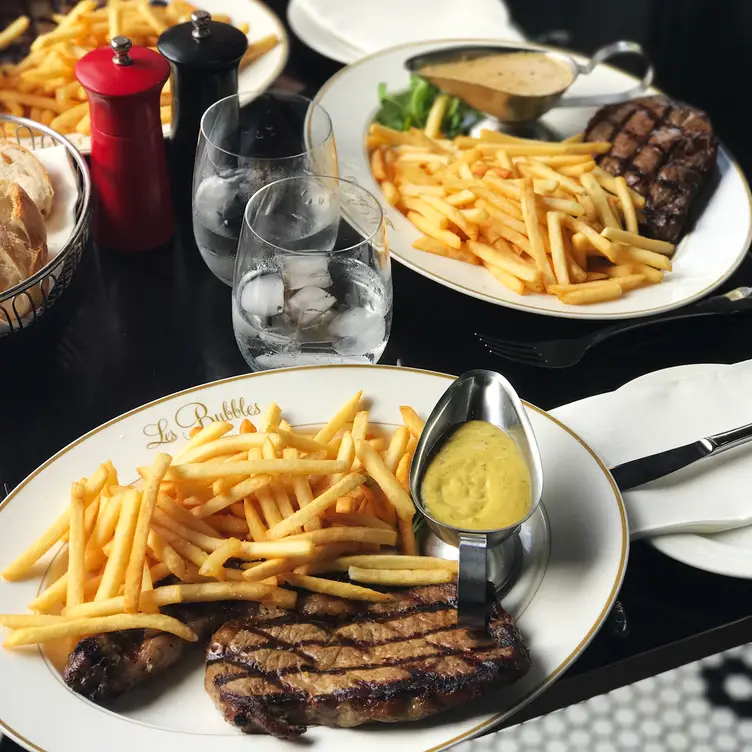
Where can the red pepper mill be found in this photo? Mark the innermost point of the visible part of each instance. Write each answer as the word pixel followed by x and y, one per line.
pixel 133 209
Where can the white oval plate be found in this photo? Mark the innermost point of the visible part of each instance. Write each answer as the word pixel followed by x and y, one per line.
pixel 706 257
pixel 588 555
pixel 260 74
pixel 303 20
pixel 728 553
pixel 318 38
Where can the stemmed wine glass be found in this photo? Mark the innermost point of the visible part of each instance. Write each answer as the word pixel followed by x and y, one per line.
pixel 312 277
pixel 246 142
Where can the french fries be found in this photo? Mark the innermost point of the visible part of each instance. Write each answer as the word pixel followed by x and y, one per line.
pixel 80 627
pixel 216 560
pixel 399 577
pixel 76 546
pixel 117 561
pixel 388 483
pixel 340 534
pixel 330 587
pixel 13 31
pixel 43 85
pixel 515 206
pixel 133 574
pixel 388 561
pixel 214 470
pixel 317 506
pixel 412 421
pixel 123 541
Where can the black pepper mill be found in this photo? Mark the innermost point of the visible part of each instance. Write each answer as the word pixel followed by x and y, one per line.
pixel 204 56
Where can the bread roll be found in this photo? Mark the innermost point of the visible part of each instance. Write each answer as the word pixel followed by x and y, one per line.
pixel 19 165
pixel 23 243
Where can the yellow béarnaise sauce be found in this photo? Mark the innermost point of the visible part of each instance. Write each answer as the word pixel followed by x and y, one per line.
pixel 478 479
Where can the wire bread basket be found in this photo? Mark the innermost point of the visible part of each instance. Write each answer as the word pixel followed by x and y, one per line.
pixel 22 305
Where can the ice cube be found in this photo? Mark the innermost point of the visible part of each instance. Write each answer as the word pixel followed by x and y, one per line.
pixel 308 304
pixel 307 271
pixel 240 324
pixel 281 336
pixel 357 331
pixel 263 295
pixel 220 201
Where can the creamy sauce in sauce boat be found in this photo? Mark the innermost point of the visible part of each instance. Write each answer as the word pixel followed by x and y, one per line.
pixel 519 84
pixel 477 477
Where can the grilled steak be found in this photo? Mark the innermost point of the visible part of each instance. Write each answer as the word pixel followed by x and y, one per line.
pixel 665 151
pixel 335 662
pixel 106 665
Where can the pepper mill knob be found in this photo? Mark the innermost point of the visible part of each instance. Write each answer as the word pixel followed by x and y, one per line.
pixel 200 20
pixel 121 46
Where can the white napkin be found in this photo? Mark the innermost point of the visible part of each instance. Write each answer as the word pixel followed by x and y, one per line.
pixel 62 218
pixel 373 25
pixel 640 419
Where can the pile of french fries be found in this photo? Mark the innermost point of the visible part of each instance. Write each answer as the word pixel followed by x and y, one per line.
pixel 43 86
pixel 233 515
pixel 541 217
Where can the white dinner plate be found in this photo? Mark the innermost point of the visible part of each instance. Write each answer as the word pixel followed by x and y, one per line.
pixel 318 38
pixel 728 553
pixel 260 74
pixel 706 256
pixel 588 553
pixel 333 43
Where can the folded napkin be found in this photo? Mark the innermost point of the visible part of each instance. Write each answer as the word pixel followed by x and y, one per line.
pixel 645 417
pixel 62 218
pixel 373 25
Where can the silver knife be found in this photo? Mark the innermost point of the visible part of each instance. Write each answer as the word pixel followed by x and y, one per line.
pixel 638 472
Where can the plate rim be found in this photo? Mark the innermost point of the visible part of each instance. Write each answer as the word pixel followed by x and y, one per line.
pixel 574 314
pixel 550 678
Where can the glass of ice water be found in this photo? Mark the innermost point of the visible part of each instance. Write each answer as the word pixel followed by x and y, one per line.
pixel 312 278
pixel 243 146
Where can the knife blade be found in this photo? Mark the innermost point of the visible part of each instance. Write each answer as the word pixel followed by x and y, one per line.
pixel 637 472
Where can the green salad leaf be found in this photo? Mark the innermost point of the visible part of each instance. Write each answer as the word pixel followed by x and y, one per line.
pixel 409 109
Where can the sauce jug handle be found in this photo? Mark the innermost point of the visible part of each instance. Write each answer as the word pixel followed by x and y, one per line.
pixel 472 603
pixel 604 53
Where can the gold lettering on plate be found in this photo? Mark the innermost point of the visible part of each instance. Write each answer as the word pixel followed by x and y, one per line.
pixel 197 414
pixel 160 433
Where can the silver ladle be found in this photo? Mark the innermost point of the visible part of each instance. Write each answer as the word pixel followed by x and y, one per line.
pixel 488 396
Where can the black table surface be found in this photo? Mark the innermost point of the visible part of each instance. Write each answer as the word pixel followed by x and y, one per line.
pixel 134 328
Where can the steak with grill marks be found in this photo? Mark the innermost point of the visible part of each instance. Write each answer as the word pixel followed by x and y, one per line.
pixel 336 662
pixel 107 665
pixel 665 151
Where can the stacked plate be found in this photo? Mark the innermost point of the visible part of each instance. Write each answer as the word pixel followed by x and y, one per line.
pixel 348 31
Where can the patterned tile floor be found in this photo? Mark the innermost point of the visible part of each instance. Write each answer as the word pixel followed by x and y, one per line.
pixel 701 707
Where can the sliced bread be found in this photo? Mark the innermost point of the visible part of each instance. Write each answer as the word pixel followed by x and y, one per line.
pixel 23 242
pixel 19 165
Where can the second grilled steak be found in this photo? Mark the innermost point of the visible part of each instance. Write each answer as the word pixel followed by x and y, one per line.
pixel 336 662
pixel 666 152
pixel 107 665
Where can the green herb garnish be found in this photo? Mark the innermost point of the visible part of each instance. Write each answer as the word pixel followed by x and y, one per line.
pixel 409 109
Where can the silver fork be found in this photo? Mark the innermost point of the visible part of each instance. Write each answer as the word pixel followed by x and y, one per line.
pixel 562 353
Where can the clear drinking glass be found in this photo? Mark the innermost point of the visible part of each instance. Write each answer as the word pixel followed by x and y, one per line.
pixel 312 278
pixel 243 146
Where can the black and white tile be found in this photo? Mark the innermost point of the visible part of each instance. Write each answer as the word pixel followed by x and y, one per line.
pixel 701 707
